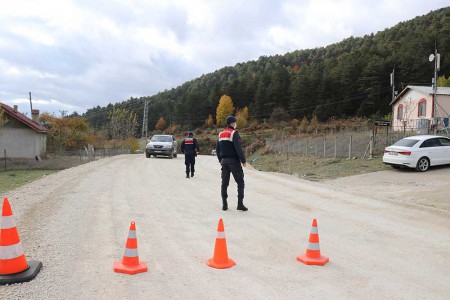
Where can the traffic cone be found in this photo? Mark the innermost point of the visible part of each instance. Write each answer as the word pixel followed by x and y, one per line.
pixel 130 262
pixel 312 255
pixel 13 264
pixel 220 259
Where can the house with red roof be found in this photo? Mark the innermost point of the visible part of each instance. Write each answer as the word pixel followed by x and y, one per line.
pixel 21 136
pixel 420 109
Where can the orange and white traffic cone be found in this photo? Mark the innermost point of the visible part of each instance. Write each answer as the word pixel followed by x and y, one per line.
pixel 13 264
pixel 220 259
pixel 130 263
pixel 312 255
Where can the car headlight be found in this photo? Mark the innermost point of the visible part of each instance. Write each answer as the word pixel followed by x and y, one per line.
pixel 167 146
pixel 150 146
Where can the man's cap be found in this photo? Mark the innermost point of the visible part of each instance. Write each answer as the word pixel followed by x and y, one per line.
pixel 231 119
pixel 190 133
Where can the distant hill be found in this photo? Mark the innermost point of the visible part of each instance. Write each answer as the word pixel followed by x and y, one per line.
pixel 349 78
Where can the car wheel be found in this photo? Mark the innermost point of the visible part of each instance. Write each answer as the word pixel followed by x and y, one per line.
pixel 171 155
pixel 147 155
pixel 396 166
pixel 175 155
pixel 423 164
pixel 154 155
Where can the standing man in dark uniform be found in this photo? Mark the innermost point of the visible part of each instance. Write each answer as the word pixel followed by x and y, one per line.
pixel 189 147
pixel 230 155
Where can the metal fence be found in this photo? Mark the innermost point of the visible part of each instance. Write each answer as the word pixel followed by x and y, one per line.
pixel 57 160
pixel 356 144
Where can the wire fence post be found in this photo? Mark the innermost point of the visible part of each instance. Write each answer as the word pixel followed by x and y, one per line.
pixel 371 147
pixel 306 147
pixel 287 152
pixel 350 148
pixel 335 146
pixel 324 147
pixel 4 150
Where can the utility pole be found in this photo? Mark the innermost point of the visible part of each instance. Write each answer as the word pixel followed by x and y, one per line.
pixel 145 120
pixel 437 64
pixel 393 84
pixel 31 105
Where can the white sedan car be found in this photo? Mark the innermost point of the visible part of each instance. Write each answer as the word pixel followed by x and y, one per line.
pixel 419 152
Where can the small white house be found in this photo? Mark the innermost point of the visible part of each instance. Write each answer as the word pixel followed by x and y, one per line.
pixel 416 108
pixel 21 136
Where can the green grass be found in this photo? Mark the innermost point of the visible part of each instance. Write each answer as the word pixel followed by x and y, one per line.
pixel 12 179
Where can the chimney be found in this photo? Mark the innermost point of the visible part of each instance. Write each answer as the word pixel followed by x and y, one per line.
pixel 35 115
pixel 15 107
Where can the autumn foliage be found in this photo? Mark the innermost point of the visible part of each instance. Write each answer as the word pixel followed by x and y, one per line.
pixel 242 117
pixel 65 133
pixel 224 109
pixel 209 122
pixel 161 124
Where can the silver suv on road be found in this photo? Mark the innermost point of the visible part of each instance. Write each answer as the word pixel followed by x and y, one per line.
pixel 161 145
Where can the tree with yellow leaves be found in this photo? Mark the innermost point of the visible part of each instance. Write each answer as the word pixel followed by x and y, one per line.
pixel 295 123
pixel 209 122
pixel 443 81
pixel 242 117
pixel 161 124
pixel 304 124
pixel 224 109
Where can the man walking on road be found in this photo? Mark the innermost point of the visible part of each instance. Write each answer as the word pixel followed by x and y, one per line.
pixel 189 147
pixel 230 155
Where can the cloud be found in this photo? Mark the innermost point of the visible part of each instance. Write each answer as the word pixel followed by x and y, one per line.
pixel 84 53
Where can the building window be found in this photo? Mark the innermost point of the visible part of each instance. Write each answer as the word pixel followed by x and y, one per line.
pixel 422 108
pixel 400 112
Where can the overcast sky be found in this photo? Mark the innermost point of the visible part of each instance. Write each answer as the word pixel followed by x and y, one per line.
pixel 74 55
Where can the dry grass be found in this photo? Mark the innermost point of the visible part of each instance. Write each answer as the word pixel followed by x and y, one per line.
pixel 315 168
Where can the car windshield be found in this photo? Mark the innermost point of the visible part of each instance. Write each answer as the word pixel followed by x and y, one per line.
pixel 406 142
pixel 161 138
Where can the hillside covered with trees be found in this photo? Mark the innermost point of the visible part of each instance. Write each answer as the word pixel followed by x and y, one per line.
pixel 346 79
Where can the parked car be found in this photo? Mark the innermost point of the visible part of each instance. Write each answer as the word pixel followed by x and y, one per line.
pixel 419 152
pixel 161 145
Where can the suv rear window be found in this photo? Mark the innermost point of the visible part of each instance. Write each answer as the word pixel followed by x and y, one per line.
pixel 406 143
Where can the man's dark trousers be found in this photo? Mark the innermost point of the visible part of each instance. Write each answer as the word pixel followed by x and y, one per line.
pixel 231 165
pixel 189 161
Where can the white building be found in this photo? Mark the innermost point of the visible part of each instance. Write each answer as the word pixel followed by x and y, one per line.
pixel 21 136
pixel 416 109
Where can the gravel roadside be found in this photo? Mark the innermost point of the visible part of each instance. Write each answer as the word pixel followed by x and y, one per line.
pixel 76 222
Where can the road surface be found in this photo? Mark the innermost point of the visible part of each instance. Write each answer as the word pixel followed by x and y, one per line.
pixel 76 222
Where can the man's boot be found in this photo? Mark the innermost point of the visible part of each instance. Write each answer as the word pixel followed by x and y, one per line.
pixel 192 174
pixel 187 175
pixel 241 206
pixel 224 205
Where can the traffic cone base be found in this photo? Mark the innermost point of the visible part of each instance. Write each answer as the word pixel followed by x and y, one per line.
pixel 119 267
pixel 313 261
pixel 33 269
pixel 226 265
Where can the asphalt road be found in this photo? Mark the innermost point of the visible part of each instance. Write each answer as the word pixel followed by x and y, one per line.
pixel 76 222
